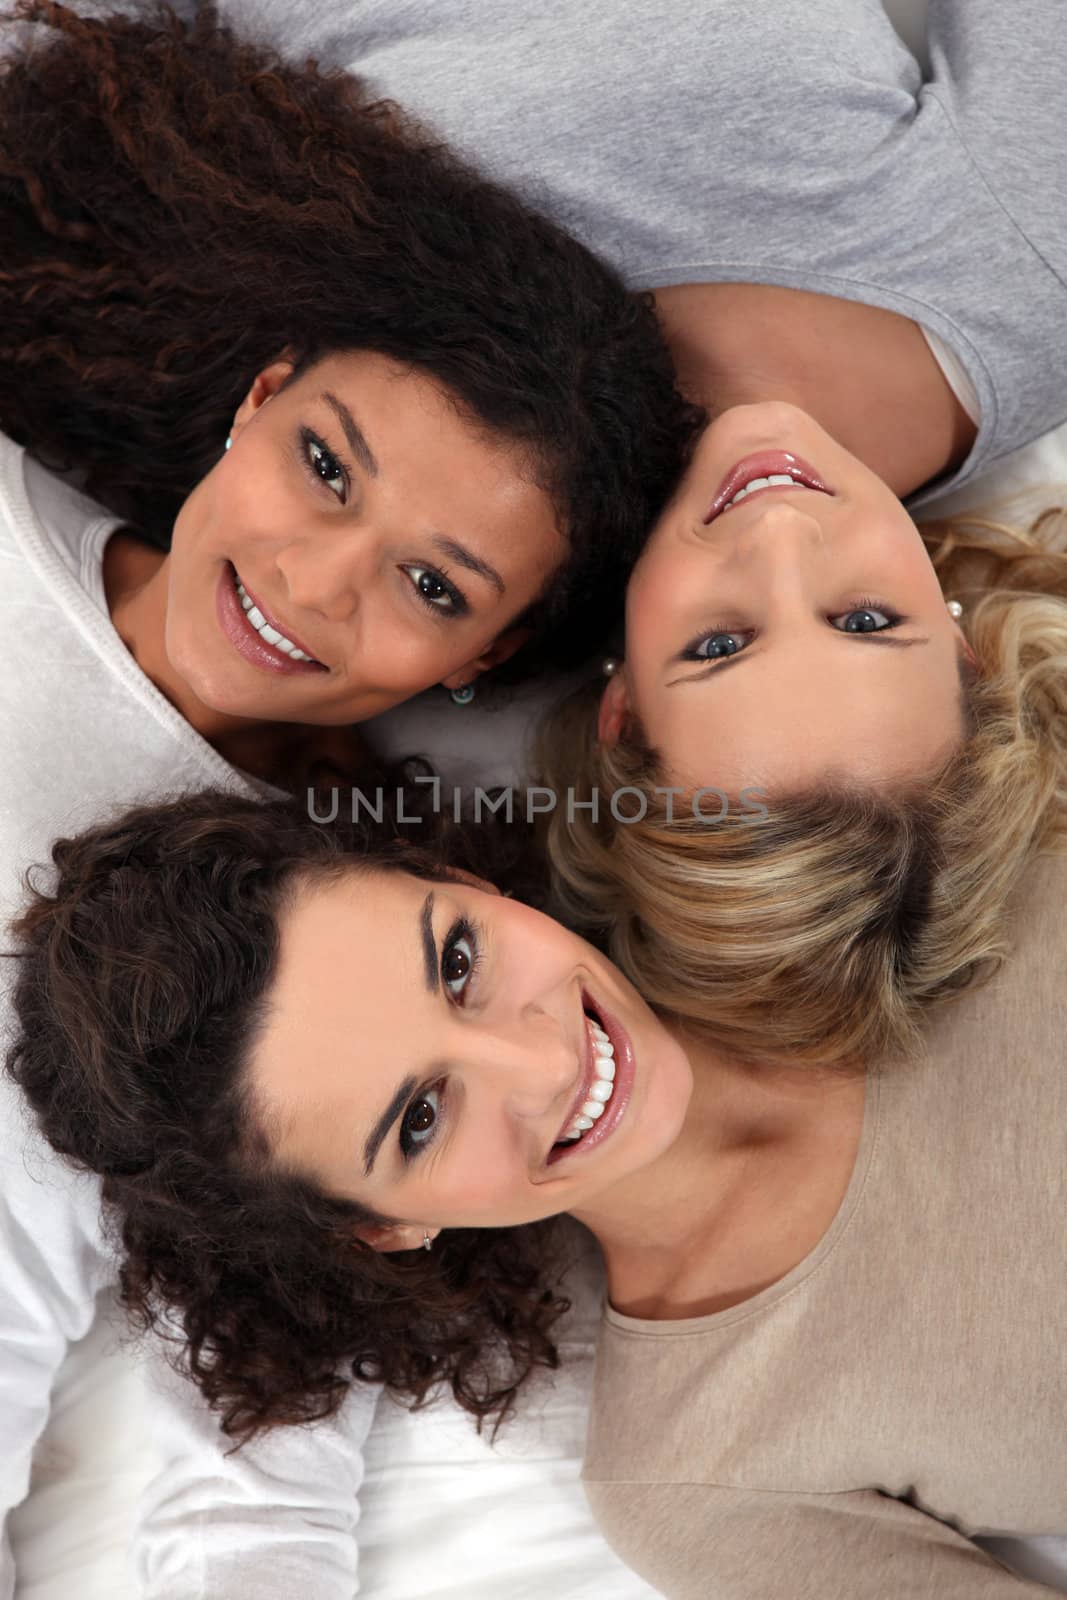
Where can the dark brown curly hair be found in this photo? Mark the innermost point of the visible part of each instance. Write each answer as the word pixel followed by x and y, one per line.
pixel 139 978
pixel 179 208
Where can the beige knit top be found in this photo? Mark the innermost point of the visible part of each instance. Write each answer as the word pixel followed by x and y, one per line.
pixel 915 1362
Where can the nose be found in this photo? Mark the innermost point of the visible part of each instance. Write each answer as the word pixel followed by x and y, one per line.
pixel 533 1060
pixel 771 523
pixel 779 556
pixel 327 572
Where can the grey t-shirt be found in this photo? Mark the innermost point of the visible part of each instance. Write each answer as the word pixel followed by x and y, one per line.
pixel 791 142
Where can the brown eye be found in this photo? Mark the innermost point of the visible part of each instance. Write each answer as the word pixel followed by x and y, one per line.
pixel 458 962
pixel 422 1117
pixel 419 1125
pixel 456 965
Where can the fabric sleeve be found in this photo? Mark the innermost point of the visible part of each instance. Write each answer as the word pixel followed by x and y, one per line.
pixel 858 1545
pixel 54 1259
pixel 273 1520
pixel 999 72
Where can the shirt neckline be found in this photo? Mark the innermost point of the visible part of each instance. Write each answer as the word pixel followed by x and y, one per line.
pixel 660 1328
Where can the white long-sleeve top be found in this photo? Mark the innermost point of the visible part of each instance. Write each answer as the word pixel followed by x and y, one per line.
pixel 84 734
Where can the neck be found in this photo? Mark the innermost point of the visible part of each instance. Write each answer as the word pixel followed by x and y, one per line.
pixel 136 579
pixel 866 375
pixel 745 1192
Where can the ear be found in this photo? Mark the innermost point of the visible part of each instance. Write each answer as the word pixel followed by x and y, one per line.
pixel 614 710
pixel 264 387
pixel 387 1237
pixel 502 648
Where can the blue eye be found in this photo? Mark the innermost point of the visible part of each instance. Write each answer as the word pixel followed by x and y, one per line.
pixel 866 618
pixel 715 644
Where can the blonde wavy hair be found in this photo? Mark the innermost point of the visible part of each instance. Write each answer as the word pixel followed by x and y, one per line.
pixel 821 933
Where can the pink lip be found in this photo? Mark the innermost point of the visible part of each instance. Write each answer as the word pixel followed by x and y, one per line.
pixel 764 464
pixel 244 638
pixel 604 1126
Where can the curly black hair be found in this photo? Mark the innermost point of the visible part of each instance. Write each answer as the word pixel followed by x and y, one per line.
pixel 180 207
pixel 140 974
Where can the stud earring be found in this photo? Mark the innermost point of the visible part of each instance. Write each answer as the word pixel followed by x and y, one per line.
pixel 427 1242
pixel 955 610
pixel 229 442
pixel 610 666
pixel 464 695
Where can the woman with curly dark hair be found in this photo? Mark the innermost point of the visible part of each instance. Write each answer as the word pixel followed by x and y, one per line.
pixel 470 422
pixel 336 1088
pixel 353 421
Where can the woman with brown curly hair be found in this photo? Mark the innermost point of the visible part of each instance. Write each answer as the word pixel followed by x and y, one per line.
pixel 336 1089
pixel 354 420
pixel 450 425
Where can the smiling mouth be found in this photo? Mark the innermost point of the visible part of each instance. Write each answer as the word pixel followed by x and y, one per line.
pixel 769 469
pixel 598 1088
pixel 607 1075
pixel 264 629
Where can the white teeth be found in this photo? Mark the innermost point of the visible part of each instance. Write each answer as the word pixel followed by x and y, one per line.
pixel 263 627
pixel 775 479
pixel 600 1090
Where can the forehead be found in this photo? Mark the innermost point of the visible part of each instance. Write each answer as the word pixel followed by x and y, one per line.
pixel 344 1000
pixel 857 711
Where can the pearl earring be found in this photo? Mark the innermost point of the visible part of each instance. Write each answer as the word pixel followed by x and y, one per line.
pixel 427 1242
pixel 955 610
pixel 610 666
pixel 464 695
pixel 229 442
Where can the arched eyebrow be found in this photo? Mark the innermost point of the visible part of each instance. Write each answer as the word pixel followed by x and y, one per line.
pixel 429 945
pixel 357 439
pixel 376 1137
pixel 466 558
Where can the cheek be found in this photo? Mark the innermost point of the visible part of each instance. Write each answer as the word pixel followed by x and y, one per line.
pixel 662 585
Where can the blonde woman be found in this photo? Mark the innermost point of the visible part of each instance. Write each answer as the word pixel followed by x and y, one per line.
pixel 844 739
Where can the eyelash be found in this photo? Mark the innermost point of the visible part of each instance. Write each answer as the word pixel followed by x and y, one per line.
pixel 690 651
pixel 461 929
pixel 310 442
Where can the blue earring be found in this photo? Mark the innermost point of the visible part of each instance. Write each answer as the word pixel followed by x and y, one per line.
pixel 463 696
pixel 229 441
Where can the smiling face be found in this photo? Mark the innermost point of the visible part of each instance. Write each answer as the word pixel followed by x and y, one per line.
pixel 429 1045
pixel 794 633
pixel 372 529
